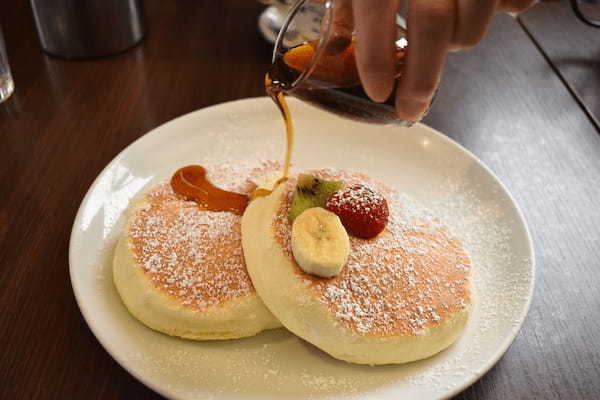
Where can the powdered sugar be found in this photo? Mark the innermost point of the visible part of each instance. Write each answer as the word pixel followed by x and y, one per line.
pixel 356 197
pixel 276 364
pixel 192 254
pixel 363 211
pixel 481 216
pixel 413 275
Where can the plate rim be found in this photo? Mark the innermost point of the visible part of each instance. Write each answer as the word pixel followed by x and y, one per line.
pixel 501 350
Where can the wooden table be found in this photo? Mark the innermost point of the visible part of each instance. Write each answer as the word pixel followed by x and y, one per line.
pixel 523 106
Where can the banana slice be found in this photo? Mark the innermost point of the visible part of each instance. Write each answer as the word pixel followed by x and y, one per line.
pixel 320 243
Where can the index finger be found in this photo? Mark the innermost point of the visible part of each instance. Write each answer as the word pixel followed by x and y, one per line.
pixel 376 30
pixel 430 30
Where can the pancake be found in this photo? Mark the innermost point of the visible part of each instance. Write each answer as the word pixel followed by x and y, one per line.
pixel 180 270
pixel 404 295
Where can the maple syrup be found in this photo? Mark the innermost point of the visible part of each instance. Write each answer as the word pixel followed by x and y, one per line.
pixel 333 85
pixel 275 92
pixel 191 183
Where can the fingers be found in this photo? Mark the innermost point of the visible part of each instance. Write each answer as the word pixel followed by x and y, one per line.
pixel 343 21
pixel 434 28
pixel 375 24
pixel 342 27
pixel 515 6
pixel 472 20
pixel 430 31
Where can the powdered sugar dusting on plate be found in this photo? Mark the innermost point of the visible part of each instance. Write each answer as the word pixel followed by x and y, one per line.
pixel 275 364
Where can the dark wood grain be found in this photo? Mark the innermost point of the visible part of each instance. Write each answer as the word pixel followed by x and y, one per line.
pixel 67 119
pixel 572 47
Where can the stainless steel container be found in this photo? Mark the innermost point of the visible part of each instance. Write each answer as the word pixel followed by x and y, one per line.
pixel 88 28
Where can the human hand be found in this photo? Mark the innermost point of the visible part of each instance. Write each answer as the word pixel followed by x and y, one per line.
pixel 434 28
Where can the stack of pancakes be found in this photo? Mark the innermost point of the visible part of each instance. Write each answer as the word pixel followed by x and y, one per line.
pixel 402 296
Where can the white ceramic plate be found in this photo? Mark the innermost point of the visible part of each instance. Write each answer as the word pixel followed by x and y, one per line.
pixel 419 161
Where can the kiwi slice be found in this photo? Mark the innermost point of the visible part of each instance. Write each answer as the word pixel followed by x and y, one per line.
pixel 311 192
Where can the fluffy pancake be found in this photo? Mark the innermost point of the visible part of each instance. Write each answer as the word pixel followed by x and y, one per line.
pixel 180 270
pixel 402 296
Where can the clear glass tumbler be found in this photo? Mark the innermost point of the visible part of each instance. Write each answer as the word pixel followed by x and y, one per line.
pixel 6 82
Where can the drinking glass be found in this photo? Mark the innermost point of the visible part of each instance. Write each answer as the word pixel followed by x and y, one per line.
pixel 6 82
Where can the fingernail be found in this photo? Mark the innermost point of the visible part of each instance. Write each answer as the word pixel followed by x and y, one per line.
pixel 411 110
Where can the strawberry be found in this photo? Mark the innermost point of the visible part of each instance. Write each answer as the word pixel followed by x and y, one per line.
pixel 363 212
